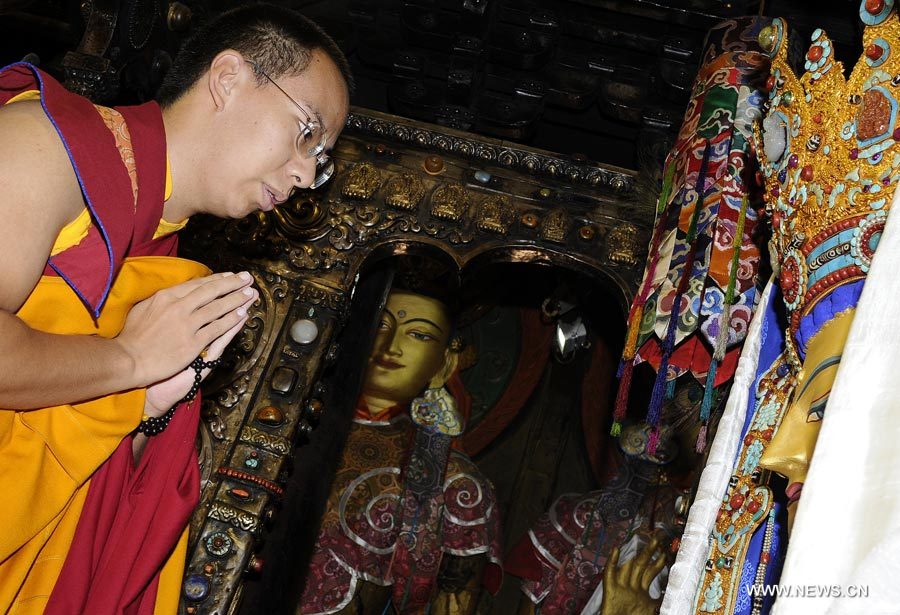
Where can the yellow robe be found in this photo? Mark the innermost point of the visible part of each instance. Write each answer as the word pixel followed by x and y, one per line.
pixel 47 456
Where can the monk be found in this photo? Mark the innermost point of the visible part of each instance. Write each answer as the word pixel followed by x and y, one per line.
pixel 104 334
pixel 411 524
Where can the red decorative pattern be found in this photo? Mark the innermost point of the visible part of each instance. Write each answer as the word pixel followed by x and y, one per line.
pixel 829 231
pixel 250 478
pixel 369 512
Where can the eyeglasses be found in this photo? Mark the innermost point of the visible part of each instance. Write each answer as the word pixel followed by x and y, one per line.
pixel 312 138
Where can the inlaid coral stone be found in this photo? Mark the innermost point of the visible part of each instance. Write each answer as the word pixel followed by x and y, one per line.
pixel 874 52
pixel 873 7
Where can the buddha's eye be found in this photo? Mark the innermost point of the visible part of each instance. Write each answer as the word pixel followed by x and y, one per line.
pixel 422 336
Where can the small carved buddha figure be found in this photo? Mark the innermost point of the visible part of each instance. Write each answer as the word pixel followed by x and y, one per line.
pixel 411 523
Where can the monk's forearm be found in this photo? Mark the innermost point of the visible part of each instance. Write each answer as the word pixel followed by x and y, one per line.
pixel 40 369
pixel 160 337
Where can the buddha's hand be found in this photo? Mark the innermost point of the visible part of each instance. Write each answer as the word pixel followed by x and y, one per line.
pixel 164 394
pixel 626 588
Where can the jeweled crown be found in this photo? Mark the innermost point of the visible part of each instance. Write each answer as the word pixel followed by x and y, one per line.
pixel 827 151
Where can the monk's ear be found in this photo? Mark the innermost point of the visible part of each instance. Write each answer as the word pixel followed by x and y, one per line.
pixel 451 360
pixel 225 72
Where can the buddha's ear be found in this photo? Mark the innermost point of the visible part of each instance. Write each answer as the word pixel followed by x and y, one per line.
pixel 451 360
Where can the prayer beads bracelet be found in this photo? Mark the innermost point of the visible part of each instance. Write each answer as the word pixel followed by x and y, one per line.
pixel 154 425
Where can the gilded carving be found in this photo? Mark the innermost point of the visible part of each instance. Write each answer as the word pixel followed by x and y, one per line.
pixel 404 191
pixel 303 217
pixel 452 234
pixel 555 226
pixel 398 223
pixel 311 257
pixel 230 395
pixel 622 245
pixel 323 297
pixel 352 225
pixel 236 517
pixel 495 214
pixel 362 181
pixel 526 160
pixel 449 202
pixel 272 443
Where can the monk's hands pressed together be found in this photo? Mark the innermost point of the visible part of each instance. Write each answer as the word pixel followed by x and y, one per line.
pixel 626 588
pixel 164 333
pixel 166 393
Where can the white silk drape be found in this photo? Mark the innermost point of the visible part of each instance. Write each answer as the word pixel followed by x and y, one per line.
pixel 847 530
pixel 692 555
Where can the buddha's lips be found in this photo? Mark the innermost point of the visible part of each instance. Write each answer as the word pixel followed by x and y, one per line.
pixel 387 364
pixel 793 492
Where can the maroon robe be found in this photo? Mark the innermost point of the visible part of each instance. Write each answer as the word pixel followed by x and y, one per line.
pixel 133 516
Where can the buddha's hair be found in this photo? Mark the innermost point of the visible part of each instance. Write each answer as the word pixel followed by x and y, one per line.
pixel 437 283
pixel 278 40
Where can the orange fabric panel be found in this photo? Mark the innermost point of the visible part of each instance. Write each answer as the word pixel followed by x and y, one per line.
pixel 48 455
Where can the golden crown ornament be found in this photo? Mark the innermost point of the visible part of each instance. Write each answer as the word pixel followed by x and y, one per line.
pixel 827 152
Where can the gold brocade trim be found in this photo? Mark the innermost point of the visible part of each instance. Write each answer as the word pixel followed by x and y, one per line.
pixel 119 128
pixel 748 499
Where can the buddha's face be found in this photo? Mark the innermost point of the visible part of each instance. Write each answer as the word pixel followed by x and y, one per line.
pixel 411 349
pixel 791 450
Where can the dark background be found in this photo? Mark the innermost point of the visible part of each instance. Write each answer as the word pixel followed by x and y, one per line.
pixel 601 79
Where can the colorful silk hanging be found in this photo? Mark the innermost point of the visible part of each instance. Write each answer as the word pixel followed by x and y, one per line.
pixel 699 289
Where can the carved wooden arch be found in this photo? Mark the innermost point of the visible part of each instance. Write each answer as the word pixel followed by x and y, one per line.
pixel 618 286
pixel 400 186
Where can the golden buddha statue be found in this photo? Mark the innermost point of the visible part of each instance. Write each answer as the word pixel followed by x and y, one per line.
pixel 411 524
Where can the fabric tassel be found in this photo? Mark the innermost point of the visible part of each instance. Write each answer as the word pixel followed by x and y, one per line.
pixel 637 308
pixel 626 367
pixel 654 411
pixel 670 389
pixel 621 406
pixel 701 440
pixel 616 429
pixel 653 441
pixel 722 335
pixel 706 406
pixel 666 191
